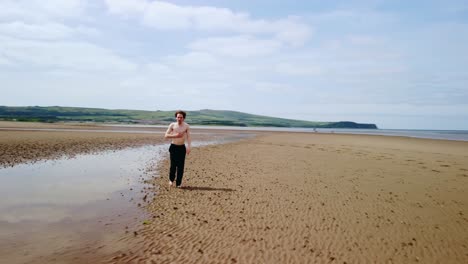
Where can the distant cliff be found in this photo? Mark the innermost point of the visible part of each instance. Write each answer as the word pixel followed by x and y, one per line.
pixel 349 124
pixel 200 117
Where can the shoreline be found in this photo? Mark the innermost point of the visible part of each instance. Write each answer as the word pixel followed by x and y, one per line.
pixel 31 142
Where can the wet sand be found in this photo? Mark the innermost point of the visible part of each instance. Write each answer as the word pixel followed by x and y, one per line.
pixel 22 142
pixel 312 198
pixel 20 146
pixel 292 198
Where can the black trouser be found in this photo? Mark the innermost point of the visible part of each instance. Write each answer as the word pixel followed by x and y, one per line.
pixel 177 153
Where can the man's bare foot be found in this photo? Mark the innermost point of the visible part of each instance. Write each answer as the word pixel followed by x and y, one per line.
pixel 170 184
pixel 178 186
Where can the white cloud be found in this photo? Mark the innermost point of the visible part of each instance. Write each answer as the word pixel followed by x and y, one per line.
pixel 212 18
pixel 298 69
pixel 291 31
pixel 159 68
pixel 358 18
pixel 4 60
pixel 124 7
pixel 363 40
pixel 46 31
pixel 37 10
pixel 274 88
pixel 62 54
pixel 236 46
pixel 165 16
pixel 168 16
pixel 134 82
pixel 194 61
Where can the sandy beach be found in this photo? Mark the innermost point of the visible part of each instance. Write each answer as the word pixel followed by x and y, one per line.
pixel 292 198
pixel 308 198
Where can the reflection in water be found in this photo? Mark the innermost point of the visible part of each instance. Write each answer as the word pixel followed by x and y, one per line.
pixel 51 208
pixel 49 191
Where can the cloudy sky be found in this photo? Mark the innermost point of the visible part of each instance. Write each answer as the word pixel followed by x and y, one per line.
pixel 398 64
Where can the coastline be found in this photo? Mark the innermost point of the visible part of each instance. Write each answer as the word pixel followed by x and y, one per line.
pixel 293 198
pixel 453 135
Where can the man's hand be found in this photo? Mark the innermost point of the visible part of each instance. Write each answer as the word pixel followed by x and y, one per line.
pixel 178 135
pixel 188 150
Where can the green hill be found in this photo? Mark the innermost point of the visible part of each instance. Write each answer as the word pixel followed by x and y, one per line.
pixel 201 117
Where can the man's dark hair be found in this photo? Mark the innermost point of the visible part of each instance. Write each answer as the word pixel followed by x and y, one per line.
pixel 180 112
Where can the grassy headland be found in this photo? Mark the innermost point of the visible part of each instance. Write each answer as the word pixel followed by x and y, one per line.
pixel 200 117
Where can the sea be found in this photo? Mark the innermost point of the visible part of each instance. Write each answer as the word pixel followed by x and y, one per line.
pixel 459 135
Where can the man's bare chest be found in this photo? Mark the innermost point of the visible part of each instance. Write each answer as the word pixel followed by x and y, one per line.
pixel 179 129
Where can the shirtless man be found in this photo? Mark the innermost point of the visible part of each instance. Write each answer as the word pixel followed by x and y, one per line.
pixel 178 131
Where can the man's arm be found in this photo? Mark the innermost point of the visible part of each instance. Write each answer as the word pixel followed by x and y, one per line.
pixel 169 132
pixel 189 140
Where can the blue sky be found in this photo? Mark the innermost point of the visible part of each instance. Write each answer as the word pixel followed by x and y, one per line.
pixel 398 64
